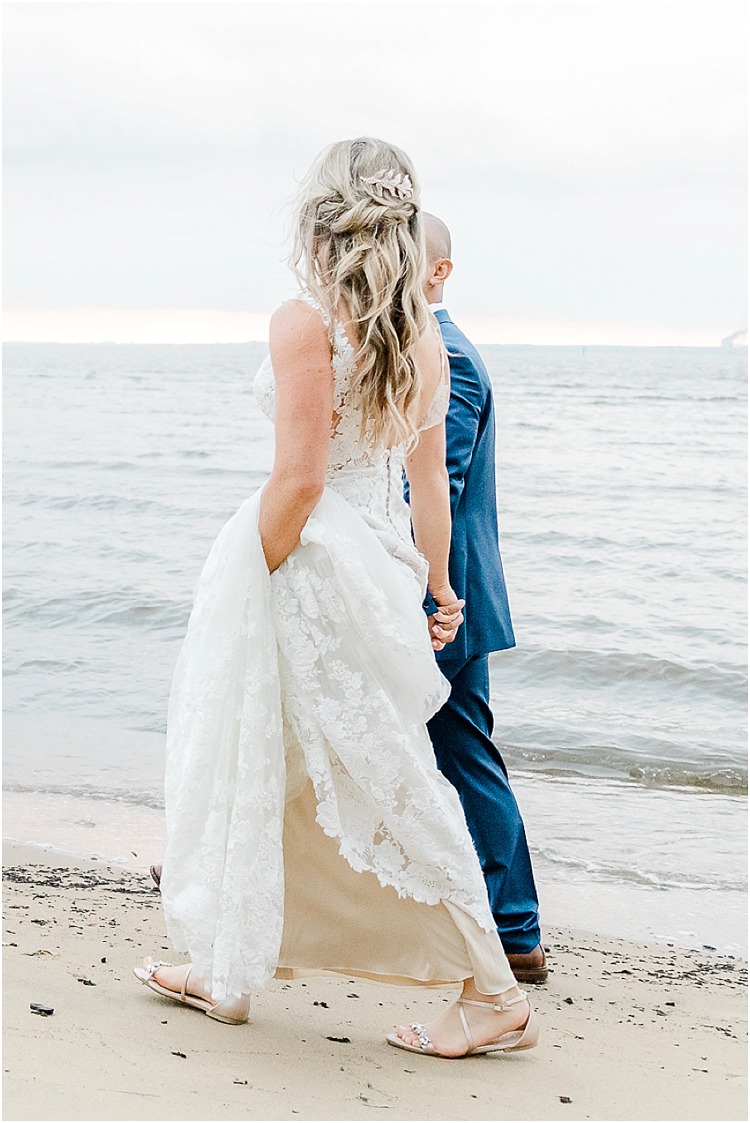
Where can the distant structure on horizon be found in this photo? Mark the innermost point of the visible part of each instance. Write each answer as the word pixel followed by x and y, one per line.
pixel 737 339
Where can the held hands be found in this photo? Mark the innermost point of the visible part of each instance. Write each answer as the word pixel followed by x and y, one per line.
pixel 444 624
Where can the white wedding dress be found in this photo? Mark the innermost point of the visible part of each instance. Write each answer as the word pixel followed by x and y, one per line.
pixel 308 827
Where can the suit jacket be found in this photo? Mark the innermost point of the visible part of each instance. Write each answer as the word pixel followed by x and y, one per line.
pixel 476 569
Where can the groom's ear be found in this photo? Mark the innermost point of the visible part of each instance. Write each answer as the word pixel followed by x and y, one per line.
pixel 443 270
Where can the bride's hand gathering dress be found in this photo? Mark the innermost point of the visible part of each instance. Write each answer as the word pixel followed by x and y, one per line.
pixel 308 826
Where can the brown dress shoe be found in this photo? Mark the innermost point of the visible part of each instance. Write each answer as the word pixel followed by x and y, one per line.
pixel 156 875
pixel 529 966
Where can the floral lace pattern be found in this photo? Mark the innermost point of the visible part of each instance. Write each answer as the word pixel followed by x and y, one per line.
pixel 225 783
pixel 357 688
pixel 322 671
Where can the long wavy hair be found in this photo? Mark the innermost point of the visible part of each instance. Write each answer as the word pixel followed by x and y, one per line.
pixel 359 245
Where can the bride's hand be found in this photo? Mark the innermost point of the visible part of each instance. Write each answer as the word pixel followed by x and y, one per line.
pixel 444 624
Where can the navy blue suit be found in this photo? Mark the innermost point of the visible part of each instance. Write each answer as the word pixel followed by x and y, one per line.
pixel 461 732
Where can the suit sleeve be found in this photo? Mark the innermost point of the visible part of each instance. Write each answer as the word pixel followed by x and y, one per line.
pixel 462 422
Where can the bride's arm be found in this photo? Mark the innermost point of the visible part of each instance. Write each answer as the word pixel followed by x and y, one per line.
pixel 429 498
pixel 301 360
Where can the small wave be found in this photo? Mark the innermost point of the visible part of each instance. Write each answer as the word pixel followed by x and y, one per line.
pixel 609 871
pixel 728 781
pixel 693 397
pixel 158 614
pixel 596 667
pixel 228 472
pixel 581 542
pixel 106 608
pixel 137 798
pixel 64 465
pixel 58 666
pixel 650 767
pixel 95 503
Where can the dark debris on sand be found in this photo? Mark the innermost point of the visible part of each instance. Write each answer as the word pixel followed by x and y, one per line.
pixel 658 965
pixel 61 877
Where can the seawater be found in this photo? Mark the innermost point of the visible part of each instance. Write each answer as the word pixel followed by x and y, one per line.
pixel 621 496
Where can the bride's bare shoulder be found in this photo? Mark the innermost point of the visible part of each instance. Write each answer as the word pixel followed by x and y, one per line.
pixel 297 328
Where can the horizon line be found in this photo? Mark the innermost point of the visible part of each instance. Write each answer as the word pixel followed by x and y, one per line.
pixel 212 326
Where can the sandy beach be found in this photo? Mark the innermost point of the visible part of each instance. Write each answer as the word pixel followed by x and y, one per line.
pixel 630 1031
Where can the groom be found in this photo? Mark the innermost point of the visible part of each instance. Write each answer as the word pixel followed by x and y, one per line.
pixel 461 731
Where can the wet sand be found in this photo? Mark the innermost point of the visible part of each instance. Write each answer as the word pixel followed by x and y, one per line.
pixel 630 1031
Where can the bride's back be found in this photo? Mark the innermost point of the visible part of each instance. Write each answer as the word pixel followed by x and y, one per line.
pixel 354 439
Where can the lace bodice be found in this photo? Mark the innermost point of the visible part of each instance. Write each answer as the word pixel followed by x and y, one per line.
pixel 365 473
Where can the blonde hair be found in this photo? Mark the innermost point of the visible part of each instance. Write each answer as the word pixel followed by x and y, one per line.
pixel 358 244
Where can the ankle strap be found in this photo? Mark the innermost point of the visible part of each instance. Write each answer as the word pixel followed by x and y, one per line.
pixel 522 996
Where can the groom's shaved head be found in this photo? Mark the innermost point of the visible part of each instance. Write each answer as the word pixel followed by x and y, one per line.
pixel 437 238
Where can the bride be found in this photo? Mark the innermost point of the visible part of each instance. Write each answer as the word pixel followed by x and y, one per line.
pixel 308 827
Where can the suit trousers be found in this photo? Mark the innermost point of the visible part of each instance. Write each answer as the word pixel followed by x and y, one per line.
pixel 461 734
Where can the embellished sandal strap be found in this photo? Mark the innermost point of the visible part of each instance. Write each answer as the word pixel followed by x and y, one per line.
pixel 498 1006
pixel 425 1041
pixel 154 967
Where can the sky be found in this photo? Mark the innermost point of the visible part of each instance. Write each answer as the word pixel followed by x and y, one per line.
pixel 590 159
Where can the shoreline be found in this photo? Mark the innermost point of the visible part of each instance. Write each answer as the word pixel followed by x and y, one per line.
pixel 611 895
pixel 631 1031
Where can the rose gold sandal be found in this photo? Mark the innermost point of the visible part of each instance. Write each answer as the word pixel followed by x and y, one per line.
pixel 524 1038
pixel 229 1010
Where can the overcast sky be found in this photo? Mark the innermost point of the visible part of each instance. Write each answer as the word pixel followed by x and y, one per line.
pixel 590 159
